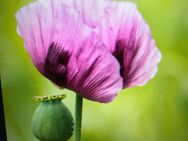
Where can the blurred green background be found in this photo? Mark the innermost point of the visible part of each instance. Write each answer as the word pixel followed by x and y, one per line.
pixel 157 111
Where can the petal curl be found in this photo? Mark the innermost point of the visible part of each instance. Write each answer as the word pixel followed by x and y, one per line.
pixel 67 52
pixel 129 38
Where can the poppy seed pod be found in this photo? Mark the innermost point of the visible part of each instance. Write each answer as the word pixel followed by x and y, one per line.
pixel 52 121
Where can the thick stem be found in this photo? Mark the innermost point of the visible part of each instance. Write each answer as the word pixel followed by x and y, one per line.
pixel 78 117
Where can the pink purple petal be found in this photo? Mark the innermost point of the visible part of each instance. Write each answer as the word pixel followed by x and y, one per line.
pixel 129 38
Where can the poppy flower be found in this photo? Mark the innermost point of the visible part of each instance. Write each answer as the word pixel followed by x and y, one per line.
pixel 67 51
pixel 93 47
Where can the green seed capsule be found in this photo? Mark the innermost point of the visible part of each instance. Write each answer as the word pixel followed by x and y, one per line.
pixel 52 121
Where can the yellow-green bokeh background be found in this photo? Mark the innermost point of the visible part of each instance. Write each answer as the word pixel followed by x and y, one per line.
pixel 157 111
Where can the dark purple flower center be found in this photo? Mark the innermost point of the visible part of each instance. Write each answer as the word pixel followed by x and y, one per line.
pixel 56 63
pixel 125 53
pixel 119 54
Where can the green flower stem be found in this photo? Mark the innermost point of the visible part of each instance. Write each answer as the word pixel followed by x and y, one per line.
pixel 78 117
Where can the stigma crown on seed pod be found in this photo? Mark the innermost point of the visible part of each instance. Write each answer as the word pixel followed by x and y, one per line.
pixel 49 97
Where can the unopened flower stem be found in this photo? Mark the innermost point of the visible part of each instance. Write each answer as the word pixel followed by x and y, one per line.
pixel 78 117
